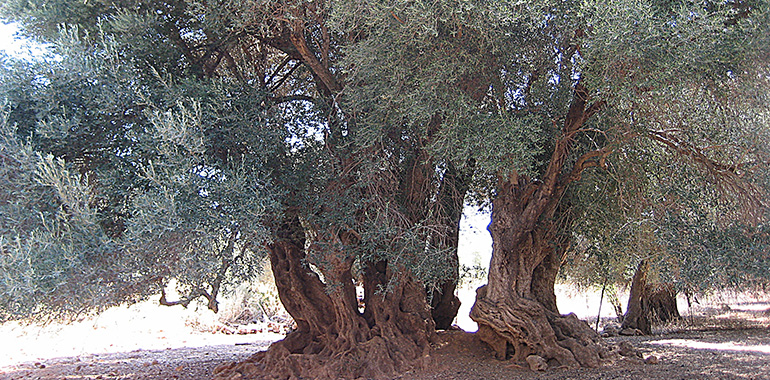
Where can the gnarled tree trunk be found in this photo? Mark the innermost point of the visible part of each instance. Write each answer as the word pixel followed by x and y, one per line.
pixel 333 339
pixel 649 303
pixel 393 334
pixel 516 311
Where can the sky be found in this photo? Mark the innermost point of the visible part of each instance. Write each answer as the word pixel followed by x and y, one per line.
pixel 475 245
pixel 13 44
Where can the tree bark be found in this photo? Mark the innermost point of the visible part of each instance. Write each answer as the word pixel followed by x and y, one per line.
pixel 333 340
pixel 649 303
pixel 636 317
pixel 516 311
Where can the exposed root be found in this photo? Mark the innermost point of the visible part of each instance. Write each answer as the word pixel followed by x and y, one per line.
pixel 376 358
pixel 517 328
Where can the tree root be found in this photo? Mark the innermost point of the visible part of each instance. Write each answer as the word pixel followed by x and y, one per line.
pixel 516 328
pixel 376 358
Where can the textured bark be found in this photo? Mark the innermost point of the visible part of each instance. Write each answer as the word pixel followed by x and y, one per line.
pixel 333 340
pixel 649 303
pixel 516 311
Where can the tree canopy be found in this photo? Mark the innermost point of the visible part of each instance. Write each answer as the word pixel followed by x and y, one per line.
pixel 341 139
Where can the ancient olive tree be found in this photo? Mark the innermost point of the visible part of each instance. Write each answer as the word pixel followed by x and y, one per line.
pixel 689 78
pixel 210 135
pixel 340 138
pixel 671 230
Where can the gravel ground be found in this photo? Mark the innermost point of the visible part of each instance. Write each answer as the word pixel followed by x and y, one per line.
pixel 722 354
pixel 180 363
pixel 728 346
pixel 719 343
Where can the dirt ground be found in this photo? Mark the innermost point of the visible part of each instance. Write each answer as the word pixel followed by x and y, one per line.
pixel 722 350
pixel 719 345
pixel 145 341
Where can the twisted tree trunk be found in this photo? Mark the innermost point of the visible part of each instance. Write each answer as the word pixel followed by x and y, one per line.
pixel 333 339
pixel 516 311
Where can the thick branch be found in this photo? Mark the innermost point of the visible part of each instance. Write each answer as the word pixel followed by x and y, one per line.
pixel 184 301
pixel 278 69
pixel 297 38
pixel 596 158
pixel 547 190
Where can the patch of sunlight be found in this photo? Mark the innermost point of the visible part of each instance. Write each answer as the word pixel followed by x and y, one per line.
pixel 141 326
pixel 726 346
pixel 14 43
pixel 751 306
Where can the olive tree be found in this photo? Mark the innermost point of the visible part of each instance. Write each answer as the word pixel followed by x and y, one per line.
pixel 360 128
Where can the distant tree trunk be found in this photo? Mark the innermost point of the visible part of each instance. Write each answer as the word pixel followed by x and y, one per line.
pixel 662 303
pixel 649 303
pixel 333 339
pixel 635 316
pixel 450 200
pixel 516 311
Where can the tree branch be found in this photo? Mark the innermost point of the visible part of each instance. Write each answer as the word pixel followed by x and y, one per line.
pixel 291 98
pixel 297 37
pixel 596 158
pixel 277 70
pixel 284 78
pixel 728 177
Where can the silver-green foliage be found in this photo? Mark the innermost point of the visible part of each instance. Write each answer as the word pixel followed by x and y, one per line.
pixel 202 218
pixel 129 182
pixel 188 167
pixel 54 256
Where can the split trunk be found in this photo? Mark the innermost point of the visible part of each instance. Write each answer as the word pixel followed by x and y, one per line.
pixel 649 303
pixel 334 339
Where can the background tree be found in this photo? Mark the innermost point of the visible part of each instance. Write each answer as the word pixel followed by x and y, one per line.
pixel 656 229
pixel 630 79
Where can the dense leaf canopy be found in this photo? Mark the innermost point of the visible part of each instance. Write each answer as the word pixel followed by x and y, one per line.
pixel 183 133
